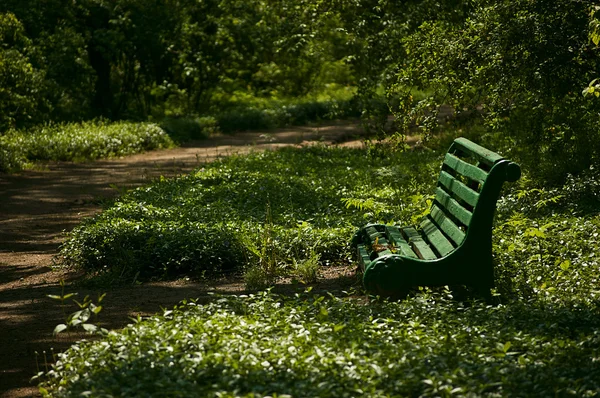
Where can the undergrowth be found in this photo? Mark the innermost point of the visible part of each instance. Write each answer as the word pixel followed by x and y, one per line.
pixel 213 220
pixel 316 346
pixel 254 113
pixel 543 340
pixel 78 142
pixel 234 112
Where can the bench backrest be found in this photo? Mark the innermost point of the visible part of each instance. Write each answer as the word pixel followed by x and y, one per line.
pixel 465 197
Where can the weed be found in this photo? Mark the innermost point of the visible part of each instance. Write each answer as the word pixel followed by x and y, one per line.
pixel 80 318
pixel 307 270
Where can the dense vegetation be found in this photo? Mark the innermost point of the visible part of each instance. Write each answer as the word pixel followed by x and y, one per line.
pixel 520 76
pixel 542 340
pixel 315 346
pixel 78 142
pixel 291 203
pixel 138 59
pixel 517 68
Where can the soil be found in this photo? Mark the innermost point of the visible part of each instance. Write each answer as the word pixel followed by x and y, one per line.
pixel 38 206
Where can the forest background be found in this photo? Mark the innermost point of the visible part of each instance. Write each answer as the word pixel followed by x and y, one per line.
pixel 523 70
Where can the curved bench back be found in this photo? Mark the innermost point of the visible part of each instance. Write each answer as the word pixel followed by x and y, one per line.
pixel 465 197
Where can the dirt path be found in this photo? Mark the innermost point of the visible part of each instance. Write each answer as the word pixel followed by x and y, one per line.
pixel 36 207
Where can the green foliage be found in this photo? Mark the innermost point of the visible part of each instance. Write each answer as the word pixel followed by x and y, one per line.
pixel 185 129
pixel 307 270
pixel 21 83
pixel 80 318
pixel 264 345
pixel 375 31
pixel 541 341
pixel 594 26
pixel 132 59
pixel 264 272
pixel 517 66
pixel 78 142
pixel 546 240
pixel 214 219
pixel 253 113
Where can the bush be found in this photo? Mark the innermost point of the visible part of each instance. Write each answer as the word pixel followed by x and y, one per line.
pixel 254 113
pixel 11 156
pixel 184 129
pixel 21 84
pixel 79 142
pixel 541 341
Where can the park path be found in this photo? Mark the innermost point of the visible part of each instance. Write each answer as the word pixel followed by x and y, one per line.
pixel 38 206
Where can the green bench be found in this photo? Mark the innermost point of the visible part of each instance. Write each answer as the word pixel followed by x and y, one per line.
pixel 452 245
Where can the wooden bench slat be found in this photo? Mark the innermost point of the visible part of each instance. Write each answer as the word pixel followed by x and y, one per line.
pixel 420 247
pixel 447 225
pixel 436 238
pixel 374 235
pixel 379 242
pixel 458 188
pixel 400 243
pixel 466 169
pixel 363 255
pixel 453 207
pixel 477 151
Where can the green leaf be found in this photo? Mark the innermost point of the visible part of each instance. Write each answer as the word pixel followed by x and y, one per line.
pixel 565 265
pixel 323 312
pixel 90 328
pixel 59 328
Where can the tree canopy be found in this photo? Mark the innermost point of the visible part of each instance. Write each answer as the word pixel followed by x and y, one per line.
pixel 517 68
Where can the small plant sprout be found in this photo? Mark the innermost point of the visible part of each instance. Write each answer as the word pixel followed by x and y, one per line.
pixel 81 318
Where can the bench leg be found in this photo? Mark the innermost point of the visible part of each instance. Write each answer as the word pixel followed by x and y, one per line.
pixel 485 282
pixel 386 278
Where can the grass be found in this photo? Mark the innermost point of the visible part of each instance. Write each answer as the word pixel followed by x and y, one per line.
pixel 102 139
pixel 243 112
pixel 543 340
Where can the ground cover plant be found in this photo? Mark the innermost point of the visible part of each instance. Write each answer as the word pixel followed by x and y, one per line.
pixel 289 205
pixel 103 139
pixel 541 338
pixel 319 346
pixel 241 111
pixel 78 142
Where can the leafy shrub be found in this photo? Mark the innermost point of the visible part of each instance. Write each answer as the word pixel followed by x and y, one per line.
pixel 265 345
pixel 255 114
pixel 214 218
pixel 79 141
pixel 307 270
pixel 541 341
pixel 184 129
pixel 11 156
pixel 546 239
pixel 20 82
